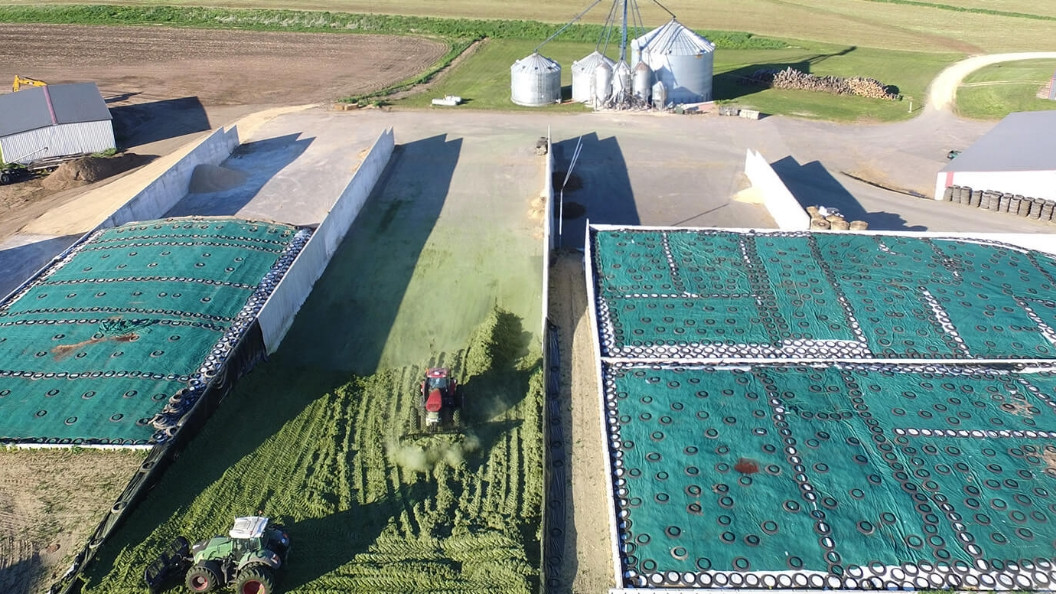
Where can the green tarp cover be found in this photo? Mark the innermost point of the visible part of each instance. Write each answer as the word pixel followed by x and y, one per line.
pixel 712 294
pixel 95 346
pixel 766 429
pixel 841 472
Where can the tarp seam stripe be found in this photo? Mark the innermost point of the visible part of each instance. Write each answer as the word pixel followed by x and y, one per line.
pixel 139 310
pixel 149 279
pixel 100 320
pixel 96 247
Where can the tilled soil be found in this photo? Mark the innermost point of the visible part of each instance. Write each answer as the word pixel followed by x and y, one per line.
pixel 217 67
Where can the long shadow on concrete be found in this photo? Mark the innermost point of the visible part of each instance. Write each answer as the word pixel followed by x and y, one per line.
pixel 371 270
pixel 143 123
pixel 599 188
pixel 224 190
pixel 19 263
pixel 813 185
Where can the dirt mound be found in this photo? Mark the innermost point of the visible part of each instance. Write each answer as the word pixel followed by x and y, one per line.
pixel 213 178
pixel 86 170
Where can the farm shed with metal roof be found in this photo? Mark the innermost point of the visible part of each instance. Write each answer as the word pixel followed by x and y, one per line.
pixel 1018 156
pixel 54 121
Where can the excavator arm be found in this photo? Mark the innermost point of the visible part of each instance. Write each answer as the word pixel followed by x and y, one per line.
pixel 21 81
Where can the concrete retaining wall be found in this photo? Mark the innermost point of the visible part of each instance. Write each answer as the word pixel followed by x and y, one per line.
pixel 782 205
pixel 153 201
pixel 277 314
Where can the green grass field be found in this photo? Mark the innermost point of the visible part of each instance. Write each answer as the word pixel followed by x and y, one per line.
pixel 911 72
pixel 998 90
pixel 966 26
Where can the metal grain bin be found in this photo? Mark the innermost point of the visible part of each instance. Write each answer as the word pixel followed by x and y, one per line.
pixel 659 95
pixel 583 76
pixel 642 81
pixel 683 60
pixel 535 81
pixel 602 82
pixel 621 82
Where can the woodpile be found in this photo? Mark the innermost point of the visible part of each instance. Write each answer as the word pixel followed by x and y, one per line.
pixel 790 78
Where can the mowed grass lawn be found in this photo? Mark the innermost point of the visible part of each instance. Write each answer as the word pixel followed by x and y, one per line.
pixel 998 90
pixel 483 79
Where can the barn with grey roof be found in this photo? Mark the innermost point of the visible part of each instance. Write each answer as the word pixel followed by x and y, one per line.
pixel 54 121
pixel 1017 156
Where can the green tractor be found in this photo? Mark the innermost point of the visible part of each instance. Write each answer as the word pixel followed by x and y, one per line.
pixel 247 557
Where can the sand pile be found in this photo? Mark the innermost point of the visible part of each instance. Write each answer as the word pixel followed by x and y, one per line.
pixel 213 178
pixel 86 170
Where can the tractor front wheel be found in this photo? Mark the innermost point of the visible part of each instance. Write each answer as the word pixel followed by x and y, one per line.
pixel 203 578
pixel 255 580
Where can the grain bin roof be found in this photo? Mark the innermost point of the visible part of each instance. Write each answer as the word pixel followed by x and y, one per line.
pixel 38 107
pixel 1024 141
pixel 535 62
pixel 674 38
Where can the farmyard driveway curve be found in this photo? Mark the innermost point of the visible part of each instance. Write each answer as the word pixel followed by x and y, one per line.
pixel 942 93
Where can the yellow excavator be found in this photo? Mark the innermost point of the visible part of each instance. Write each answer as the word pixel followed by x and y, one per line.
pixel 21 81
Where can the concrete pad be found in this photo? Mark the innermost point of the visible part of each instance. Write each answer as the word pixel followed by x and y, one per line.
pixel 23 255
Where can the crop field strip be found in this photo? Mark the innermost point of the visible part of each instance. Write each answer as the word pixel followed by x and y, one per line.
pixel 129 320
pixel 1007 26
pixel 374 504
pixel 807 415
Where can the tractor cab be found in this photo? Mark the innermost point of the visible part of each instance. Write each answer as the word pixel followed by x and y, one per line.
pixel 247 532
pixel 438 399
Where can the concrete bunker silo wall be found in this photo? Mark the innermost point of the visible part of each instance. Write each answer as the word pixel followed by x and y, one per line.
pixel 161 194
pixel 277 314
pixel 779 201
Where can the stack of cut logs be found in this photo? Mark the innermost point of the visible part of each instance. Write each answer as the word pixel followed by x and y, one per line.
pixel 790 78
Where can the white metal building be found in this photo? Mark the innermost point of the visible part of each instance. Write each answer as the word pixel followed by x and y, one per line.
pixel 1018 156
pixel 54 121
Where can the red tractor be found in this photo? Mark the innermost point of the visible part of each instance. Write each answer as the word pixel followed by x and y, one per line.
pixel 439 400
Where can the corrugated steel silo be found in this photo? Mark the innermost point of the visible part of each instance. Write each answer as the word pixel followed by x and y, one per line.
pixel 643 81
pixel 683 60
pixel 583 76
pixel 659 95
pixel 621 82
pixel 602 82
pixel 535 81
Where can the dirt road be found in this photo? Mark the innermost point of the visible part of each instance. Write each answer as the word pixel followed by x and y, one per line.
pixel 942 94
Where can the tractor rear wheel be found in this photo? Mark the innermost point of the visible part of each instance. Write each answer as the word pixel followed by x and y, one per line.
pixel 255 580
pixel 204 577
